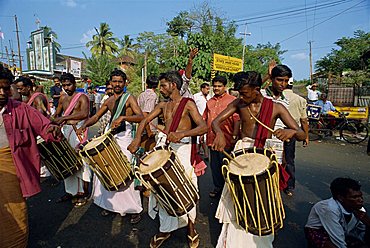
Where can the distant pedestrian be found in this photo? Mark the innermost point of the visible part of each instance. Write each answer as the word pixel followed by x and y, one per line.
pixel 56 91
pixel 91 96
pixel 97 100
pixel 313 93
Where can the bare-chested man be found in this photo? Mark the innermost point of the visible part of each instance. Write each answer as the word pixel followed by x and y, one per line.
pixel 74 108
pixel 35 99
pixel 170 85
pixel 124 111
pixel 251 102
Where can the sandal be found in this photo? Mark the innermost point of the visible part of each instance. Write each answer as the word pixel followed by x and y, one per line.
pixel 157 240
pixel 135 218
pixel 64 198
pixel 193 241
pixel 104 213
pixel 214 193
pixel 80 200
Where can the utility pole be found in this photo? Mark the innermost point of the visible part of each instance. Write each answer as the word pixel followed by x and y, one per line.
pixel 19 45
pixel 310 44
pixel 7 55
pixel 245 43
pixel 145 69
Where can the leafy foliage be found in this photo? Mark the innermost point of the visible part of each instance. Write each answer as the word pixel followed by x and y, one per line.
pixel 52 36
pixel 103 42
pixel 347 57
pixel 98 68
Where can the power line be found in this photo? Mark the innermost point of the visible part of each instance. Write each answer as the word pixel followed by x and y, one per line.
pixel 321 22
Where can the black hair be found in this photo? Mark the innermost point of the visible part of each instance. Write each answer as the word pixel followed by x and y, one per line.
pixel 281 71
pixel 69 77
pixel 118 73
pixel 84 78
pixel 250 78
pixel 32 77
pixel 6 74
pixel 173 77
pixel 56 77
pixel 204 85
pixel 25 80
pixel 107 83
pixel 152 81
pixel 89 88
pixel 340 186
pixel 220 79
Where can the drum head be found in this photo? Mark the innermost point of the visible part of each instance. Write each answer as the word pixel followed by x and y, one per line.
pixel 154 160
pixel 97 143
pixel 249 164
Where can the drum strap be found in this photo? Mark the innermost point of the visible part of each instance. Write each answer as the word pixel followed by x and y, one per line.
pixel 265 117
pixel 195 159
pixel 118 110
pixel 33 97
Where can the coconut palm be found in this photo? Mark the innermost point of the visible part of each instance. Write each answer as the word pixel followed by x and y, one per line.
pixel 127 47
pixel 103 42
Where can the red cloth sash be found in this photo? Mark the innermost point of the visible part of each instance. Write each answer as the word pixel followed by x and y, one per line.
pixel 195 159
pixel 70 108
pixel 33 97
pixel 262 134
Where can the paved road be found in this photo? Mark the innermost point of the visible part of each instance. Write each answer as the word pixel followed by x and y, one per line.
pixel 61 225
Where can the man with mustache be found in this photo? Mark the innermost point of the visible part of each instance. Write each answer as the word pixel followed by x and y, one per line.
pixel 214 107
pixel 179 140
pixel 19 161
pixel 126 200
pixel 72 112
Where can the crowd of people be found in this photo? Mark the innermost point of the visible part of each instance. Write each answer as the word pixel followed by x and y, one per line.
pixel 271 117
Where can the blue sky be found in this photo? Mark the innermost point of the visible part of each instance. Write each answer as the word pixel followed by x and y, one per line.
pixel 292 23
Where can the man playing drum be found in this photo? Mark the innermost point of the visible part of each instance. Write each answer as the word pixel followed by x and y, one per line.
pixel 75 109
pixel 250 104
pixel 179 138
pixel 19 161
pixel 124 111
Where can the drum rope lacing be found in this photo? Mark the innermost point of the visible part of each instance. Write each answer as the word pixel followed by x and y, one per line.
pixel 276 210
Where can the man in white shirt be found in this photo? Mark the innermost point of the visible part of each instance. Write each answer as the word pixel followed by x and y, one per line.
pixel 340 221
pixel 313 93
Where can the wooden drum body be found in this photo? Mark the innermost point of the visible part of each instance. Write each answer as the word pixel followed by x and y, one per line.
pixel 107 160
pixel 161 171
pixel 59 157
pixel 253 180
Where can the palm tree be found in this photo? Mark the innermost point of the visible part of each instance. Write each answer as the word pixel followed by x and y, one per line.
pixel 103 42
pixel 127 47
pixel 52 36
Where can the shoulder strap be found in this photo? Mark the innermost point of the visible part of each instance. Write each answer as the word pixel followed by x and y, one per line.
pixel 265 118
pixel 72 104
pixel 177 116
pixel 118 108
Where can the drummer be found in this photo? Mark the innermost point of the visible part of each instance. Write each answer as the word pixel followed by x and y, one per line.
pixel 124 111
pixel 72 112
pixel 250 104
pixel 35 99
pixel 185 111
pixel 19 161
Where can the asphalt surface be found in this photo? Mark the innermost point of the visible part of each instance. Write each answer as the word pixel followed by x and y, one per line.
pixel 60 225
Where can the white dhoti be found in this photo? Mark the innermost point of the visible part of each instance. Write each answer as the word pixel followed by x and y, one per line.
pixel 232 235
pixel 169 223
pixel 74 183
pixel 126 200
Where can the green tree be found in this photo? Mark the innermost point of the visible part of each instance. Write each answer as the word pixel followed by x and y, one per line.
pixel 347 57
pixel 180 25
pixel 127 47
pixel 99 67
pixel 103 42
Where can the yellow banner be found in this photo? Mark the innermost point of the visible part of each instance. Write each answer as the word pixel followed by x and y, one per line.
pixel 354 112
pixel 226 63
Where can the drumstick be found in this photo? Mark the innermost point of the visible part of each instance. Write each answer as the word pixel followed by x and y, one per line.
pixel 260 122
pixel 156 127
pixel 231 158
pixel 141 161
pixel 78 136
